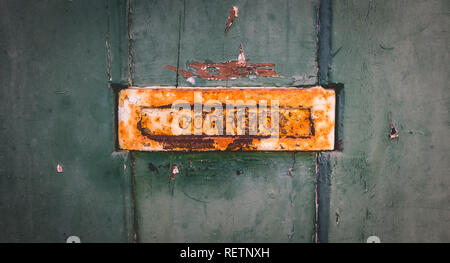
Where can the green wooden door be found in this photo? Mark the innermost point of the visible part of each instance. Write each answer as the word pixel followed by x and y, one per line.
pixel 59 59
pixel 223 197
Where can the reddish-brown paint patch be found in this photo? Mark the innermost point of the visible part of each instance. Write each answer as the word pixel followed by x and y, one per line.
pixel 183 73
pixel 233 14
pixel 227 70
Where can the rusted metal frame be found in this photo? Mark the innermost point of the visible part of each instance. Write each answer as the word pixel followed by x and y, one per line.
pixel 226 91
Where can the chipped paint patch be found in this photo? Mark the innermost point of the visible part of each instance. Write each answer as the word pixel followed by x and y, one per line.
pixel 148 122
pixel 232 15
pixel 393 132
pixel 174 172
pixel 191 80
pixel 232 69
pixel 59 168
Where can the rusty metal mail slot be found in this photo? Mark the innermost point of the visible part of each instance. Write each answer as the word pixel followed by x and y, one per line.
pixel 226 119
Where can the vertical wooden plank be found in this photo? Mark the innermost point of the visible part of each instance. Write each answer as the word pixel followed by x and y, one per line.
pixel 117 41
pixel 393 58
pixel 154 40
pixel 224 197
pixel 284 34
pixel 56 109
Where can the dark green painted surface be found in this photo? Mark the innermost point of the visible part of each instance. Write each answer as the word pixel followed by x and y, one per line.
pixel 117 41
pixel 393 57
pixel 225 197
pixel 56 108
pixel 154 27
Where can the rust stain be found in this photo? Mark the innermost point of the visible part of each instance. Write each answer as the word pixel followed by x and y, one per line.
pixel 155 123
pixel 232 69
pixel 233 14
pixel 306 119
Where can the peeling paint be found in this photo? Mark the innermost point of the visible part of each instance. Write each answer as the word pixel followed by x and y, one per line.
pixel 393 133
pixel 233 14
pixel 174 172
pixel 191 80
pixel 337 218
pixel 232 69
